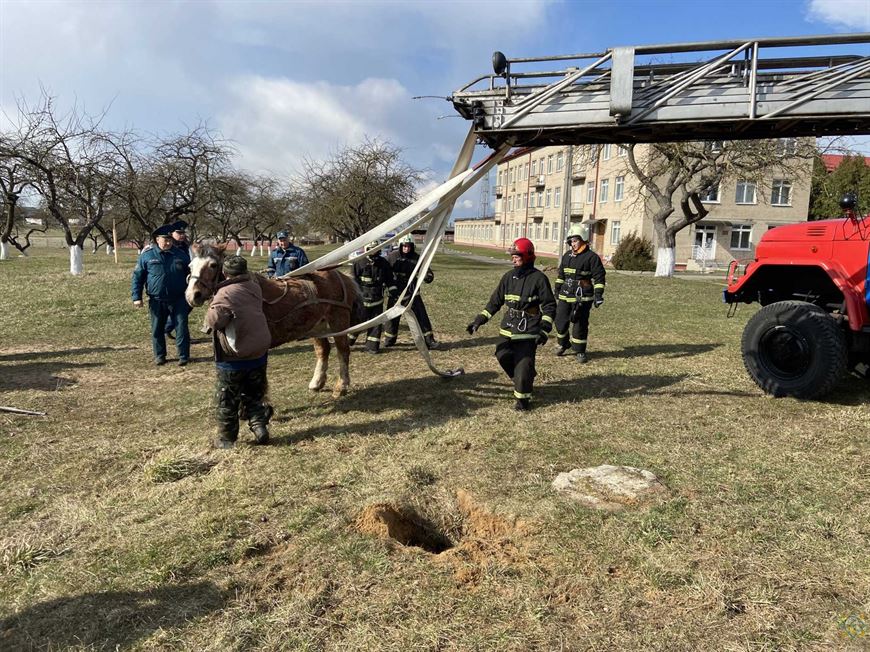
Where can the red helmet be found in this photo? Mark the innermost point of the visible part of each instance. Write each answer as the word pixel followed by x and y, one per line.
pixel 523 248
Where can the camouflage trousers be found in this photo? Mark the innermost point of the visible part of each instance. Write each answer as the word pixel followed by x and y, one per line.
pixel 241 394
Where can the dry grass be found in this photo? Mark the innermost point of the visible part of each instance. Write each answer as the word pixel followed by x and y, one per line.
pixel 119 527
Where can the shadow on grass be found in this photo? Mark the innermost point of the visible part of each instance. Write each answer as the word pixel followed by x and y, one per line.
pixel 108 620
pixel 668 350
pixel 39 375
pixel 38 355
pixel 433 401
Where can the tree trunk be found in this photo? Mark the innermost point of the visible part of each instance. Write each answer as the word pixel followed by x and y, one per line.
pixel 665 259
pixel 4 250
pixel 75 259
pixel 109 249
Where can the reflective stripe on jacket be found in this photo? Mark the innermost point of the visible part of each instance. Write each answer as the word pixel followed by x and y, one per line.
pixel 373 277
pixel 284 261
pixel 531 307
pixel 581 276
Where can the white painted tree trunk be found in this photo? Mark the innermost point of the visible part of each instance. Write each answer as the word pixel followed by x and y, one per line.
pixel 75 260
pixel 665 259
pixel 109 249
pixel 4 251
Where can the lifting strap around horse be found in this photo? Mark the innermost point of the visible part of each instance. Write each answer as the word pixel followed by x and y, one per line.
pixel 311 298
pixel 402 223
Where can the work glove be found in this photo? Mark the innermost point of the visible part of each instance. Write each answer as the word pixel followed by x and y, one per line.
pixel 598 301
pixel 479 321
pixel 430 276
pixel 542 338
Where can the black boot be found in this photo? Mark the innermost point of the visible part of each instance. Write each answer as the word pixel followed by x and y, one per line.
pixel 261 434
pixel 522 405
pixel 431 344
pixel 561 350
pixel 582 358
pixel 390 340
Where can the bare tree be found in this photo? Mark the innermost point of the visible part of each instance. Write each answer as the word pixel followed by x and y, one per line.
pixel 674 176
pixel 356 189
pixel 15 178
pixel 274 207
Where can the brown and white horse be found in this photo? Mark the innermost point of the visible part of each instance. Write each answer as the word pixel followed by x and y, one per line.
pixel 296 308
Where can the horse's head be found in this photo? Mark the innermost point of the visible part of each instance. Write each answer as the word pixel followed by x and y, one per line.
pixel 205 272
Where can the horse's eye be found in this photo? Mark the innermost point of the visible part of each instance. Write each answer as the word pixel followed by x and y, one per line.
pixel 212 264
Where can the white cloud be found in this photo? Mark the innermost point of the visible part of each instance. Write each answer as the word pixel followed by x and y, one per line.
pixel 846 14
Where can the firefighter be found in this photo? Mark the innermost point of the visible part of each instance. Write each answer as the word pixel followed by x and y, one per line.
pixel 403 262
pixel 374 276
pixel 579 286
pixel 528 318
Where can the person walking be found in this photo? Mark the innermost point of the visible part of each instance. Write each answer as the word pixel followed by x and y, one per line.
pixel 403 262
pixel 241 338
pixel 285 257
pixel 525 290
pixel 162 272
pixel 579 286
pixel 373 275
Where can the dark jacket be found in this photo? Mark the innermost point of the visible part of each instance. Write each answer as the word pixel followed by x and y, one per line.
pixel 373 277
pixel 163 274
pixel 581 276
pixel 235 314
pixel 526 293
pixel 284 261
pixel 403 265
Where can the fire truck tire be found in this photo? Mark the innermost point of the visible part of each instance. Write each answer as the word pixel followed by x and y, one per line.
pixel 794 348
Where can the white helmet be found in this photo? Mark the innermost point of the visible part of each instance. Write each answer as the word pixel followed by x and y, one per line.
pixel 578 231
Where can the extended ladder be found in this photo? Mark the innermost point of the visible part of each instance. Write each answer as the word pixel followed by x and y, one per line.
pixel 763 88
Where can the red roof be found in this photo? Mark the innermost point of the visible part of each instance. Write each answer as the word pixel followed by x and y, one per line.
pixel 832 161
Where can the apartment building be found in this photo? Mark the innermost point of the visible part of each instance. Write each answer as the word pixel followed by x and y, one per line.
pixel 541 192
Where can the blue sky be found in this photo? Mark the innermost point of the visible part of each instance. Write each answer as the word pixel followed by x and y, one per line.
pixel 285 80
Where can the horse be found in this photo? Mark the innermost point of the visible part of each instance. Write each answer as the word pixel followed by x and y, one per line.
pixel 309 305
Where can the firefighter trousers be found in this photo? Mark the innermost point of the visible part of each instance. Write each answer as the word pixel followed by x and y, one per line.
pixel 241 393
pixel 572 333
pixel 419 310
pixel 517 358
pixel 373 335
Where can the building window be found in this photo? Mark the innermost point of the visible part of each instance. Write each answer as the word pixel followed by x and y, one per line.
pixel 531 200
pixel 557 197
pixel 537 231
pixel 511 204
pixel 622 151
pixel 780 194
pixel 499 177
pixel 615 232
pixel 550 164
pixel 745 192
pixel 535 168
pixel 711 194
pixel 590 192
pixel 786 146
pixel 602 193
pixel 546 230
pixel 540 198
pixel 560 163
pixel 605 152
pixel 741 236
pixel 547 198
pixel 619 189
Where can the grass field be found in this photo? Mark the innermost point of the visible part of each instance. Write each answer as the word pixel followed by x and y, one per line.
pixel 120 528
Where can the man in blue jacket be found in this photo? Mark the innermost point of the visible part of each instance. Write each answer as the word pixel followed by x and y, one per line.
pixel 162 272
pixel 285 257
pixel 179 240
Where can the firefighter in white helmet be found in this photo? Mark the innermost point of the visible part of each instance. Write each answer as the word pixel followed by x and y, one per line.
pixel 374 277
pixel 403 262
pixel 579 286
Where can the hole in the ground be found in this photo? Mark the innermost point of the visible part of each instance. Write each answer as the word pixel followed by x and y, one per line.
pixel 403 525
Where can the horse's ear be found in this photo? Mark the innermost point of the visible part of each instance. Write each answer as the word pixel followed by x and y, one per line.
pixel 221 247
pixel 196 248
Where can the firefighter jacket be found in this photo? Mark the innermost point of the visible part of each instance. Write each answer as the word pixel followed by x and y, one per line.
pixel 162 274
pixel 581 276
pixel 526 293
pixel 373 277
pixel 403 266
pixel 283 261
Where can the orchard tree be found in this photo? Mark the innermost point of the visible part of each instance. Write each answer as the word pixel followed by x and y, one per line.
pixel 14 180
pixel 674 177
pixel 357 188
pixel 851 175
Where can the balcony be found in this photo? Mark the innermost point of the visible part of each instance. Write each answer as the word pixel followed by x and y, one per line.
pixel 537 213
pixel 499 191
pixel 539 181
pixel 577 208
pixel 578 171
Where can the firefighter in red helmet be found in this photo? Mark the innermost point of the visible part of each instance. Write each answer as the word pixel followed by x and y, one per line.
pixel 531 307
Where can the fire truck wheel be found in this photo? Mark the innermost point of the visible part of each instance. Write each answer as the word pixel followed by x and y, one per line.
pixel 795 348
